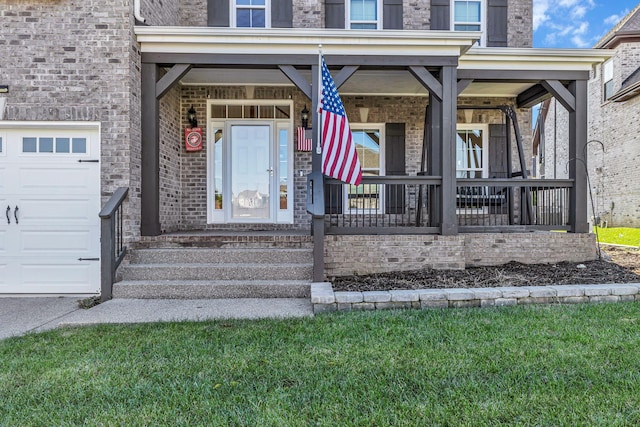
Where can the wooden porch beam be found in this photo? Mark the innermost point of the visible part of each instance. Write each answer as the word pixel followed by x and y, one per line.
pixel 561 93
pixel 427 80
pixel 297 79
pixel 343 75
pixel 258 60
pixel 578 158
pixel 171 78
pixel 449 220
pixel 532 96
pixel 463 84
pixel 150 167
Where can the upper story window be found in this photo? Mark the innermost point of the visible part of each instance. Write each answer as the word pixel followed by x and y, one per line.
pixel 251 13
pixel 607 79
pixel 363 14
pixel 469 16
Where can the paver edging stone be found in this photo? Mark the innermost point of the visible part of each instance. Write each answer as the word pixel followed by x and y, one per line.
pixel 324 299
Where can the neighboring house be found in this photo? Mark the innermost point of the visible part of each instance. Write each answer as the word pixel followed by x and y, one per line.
pixel 96 100
pixel 613 149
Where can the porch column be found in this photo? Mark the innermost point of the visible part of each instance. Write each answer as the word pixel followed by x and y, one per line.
pixel 150 153
pixel 578 157
pixel 449 105
pixel 317 225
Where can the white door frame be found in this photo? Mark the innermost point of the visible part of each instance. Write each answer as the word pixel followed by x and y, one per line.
pixel 224 215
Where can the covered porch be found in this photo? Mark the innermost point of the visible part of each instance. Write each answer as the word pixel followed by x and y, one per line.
pixel 419 188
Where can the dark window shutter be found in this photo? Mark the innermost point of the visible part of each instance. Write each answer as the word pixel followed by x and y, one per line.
pixel 498 164
pixel 394 154
pixel 440 15
pixel 392 15
pixel 218 13
pixel 334 14
pixel 497 23
pixel 281 14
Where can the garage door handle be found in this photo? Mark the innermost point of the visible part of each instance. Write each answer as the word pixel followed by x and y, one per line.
pixel 7 212
pixel 15 214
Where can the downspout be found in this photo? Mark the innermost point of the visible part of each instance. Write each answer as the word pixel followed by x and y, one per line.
pixel 136 11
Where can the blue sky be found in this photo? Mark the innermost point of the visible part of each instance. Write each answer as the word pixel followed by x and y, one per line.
pixel 575 23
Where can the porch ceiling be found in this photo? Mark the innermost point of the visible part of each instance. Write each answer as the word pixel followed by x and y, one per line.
pixel 364 82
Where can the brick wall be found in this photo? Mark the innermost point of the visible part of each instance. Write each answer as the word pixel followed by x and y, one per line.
pixel 69 60
pixel 310 14
pixel 346 255
pixel 520 23
pixel 614 172
pixel 171 136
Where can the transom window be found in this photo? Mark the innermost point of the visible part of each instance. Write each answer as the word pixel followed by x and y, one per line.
pixel 468 16
pixel 252 13
pixel 607 78
pixel 363 14
pixel 471 151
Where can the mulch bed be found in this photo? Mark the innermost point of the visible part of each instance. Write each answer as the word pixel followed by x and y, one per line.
pixel 618 265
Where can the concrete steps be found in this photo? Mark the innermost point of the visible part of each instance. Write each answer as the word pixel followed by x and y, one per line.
pixel 216 273
pixel 211 289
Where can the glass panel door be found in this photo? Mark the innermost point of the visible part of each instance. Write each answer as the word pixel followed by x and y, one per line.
pixel 251 171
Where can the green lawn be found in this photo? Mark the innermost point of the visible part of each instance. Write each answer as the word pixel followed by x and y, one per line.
pixel 619 235
pixel 542 365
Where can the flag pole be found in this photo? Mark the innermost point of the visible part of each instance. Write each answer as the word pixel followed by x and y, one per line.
pixel 319 106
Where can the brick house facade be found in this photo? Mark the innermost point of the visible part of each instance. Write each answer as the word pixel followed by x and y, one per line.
pixel 94 61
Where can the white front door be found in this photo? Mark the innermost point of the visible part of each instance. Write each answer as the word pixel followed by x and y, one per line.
pixel 50 200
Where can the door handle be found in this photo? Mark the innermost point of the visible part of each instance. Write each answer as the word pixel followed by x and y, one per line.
pixel 15 213
pixel 7 213
pixel 270 170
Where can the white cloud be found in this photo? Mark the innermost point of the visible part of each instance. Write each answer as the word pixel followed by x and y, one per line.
pixel 540 16
pixel 614 19
pixel 578 12
pixel 582 29
pixel 580 42
pixel 563 22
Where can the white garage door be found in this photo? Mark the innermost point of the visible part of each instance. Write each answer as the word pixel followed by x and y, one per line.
pixel 49 205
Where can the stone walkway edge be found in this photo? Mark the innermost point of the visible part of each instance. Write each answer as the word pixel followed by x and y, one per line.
pixel 324 299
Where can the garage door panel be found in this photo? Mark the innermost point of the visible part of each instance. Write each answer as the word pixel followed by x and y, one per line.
pixel 55 276
pixel 58 211
pixel 57 180
pixel 78 243
pixel 51 174
pixel 6 184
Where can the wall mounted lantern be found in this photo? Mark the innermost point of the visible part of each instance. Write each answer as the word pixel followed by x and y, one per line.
pixel 304 117
pixel 191 116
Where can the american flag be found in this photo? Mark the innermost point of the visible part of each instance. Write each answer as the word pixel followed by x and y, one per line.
pixel 304 143
pixel 339 156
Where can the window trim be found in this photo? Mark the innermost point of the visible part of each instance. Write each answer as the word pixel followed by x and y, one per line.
pixel 380 127
pixel 483 20
pixel 484 127
pixel 378 21
pixel 608 62
pixel 267 13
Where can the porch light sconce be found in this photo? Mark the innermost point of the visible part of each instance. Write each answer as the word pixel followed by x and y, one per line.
pixel 191 116
pixel 304 117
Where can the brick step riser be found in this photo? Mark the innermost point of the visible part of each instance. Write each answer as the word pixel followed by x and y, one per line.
pixel 213 244
pixel 221 256
pixel 223 272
